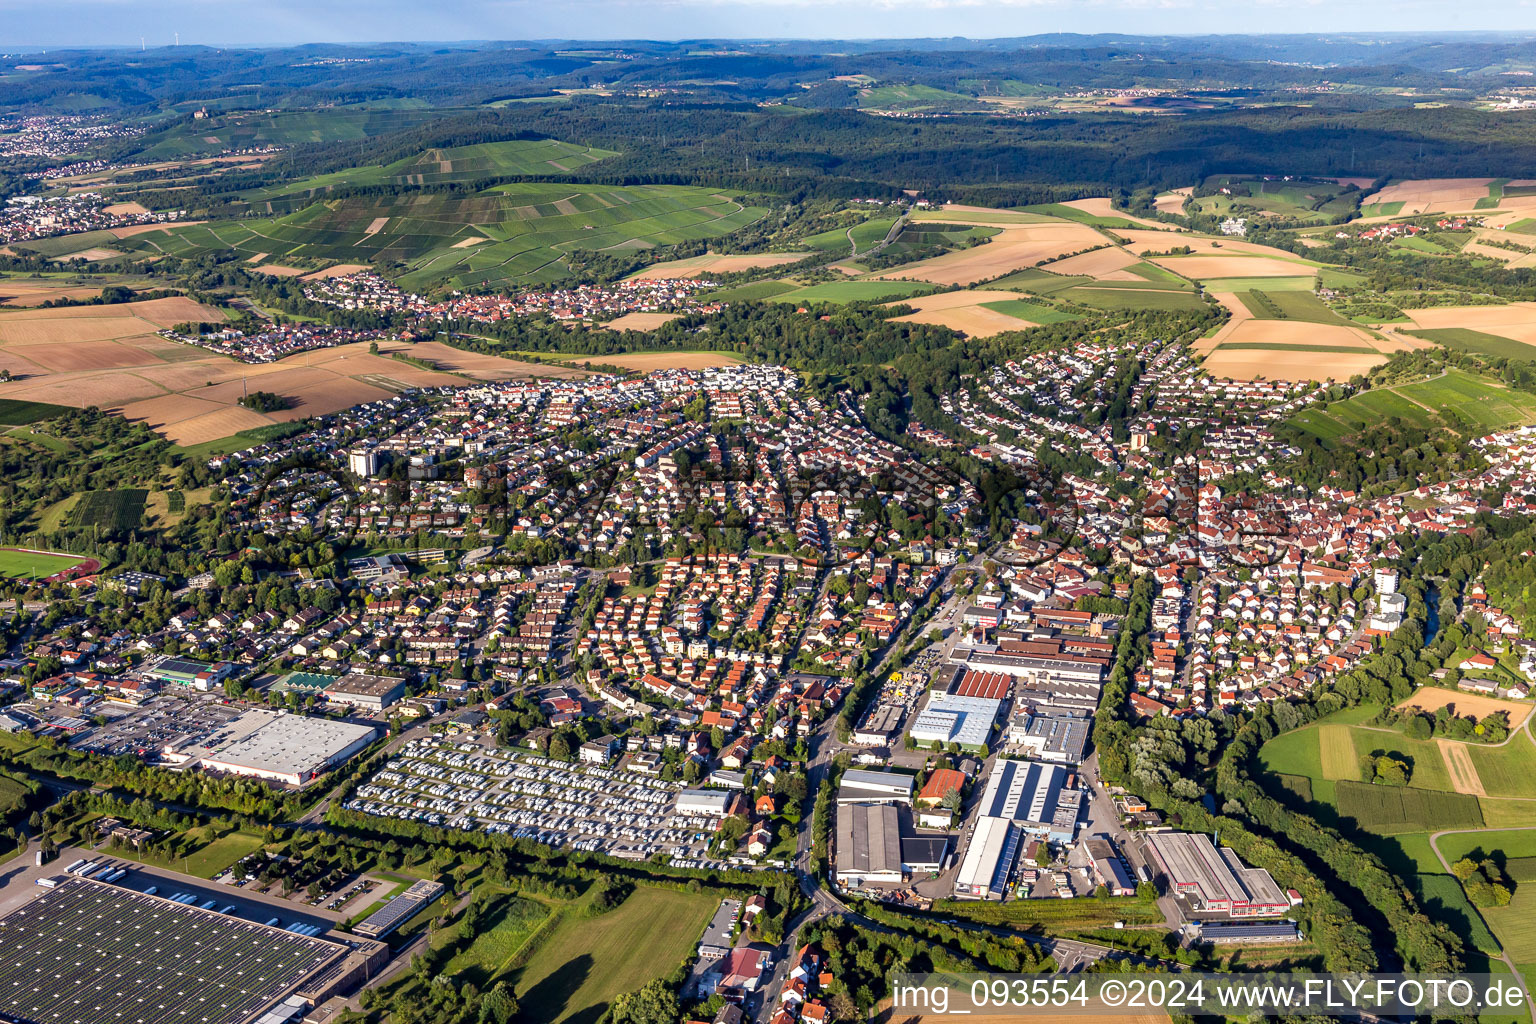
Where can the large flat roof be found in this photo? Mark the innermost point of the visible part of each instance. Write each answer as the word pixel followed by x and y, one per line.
pixel 868 839
pixel 288 744
pixel 91 953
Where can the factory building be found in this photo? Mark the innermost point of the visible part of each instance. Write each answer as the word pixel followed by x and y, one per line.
pixel 1214 881
pixel 868 845
pixel 952 718
pixel 989 860
pixel 373 693
pixel 1035 796
pixel 865 787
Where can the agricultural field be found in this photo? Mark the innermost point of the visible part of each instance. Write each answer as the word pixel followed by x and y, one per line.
pixel 1019 244
pixel 1290 304
pixel 118 510
pixel 108 356
pixel 1455 399
pixel 282 128
pixel 16 563
pixel 526 229
pixel 1508 331
pixel 756 291
pixel 855 291
pixel 716 263
pixel 585 962
pixel 978 313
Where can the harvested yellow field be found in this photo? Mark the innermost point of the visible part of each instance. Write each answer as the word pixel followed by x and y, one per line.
pixel 1516 321
pixel 1107 264
pixel 1292 364
pixel 959 213
pixel 1432 698
pixel 124 208
pixel 95 255
pixel 1336 749
pixel 640 321
pixel 191 396
pixel 1173 202
pixel 144 229
pixel 339 270
pixel 35 292
pixel 1206 268
pixel 1204 245
pixel 964 311
pixel 1015 247
pixel 465 243
pixel 1428 195
pixel 645 362
pixel 717 263
pixel 1458 763
pixel 277 270
pixel 1239 313
pixel 1104 208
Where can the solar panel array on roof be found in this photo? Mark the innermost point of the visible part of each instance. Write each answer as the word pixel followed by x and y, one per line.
pixel 90 953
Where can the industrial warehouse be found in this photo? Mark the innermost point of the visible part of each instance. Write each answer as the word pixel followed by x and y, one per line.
pixel 1215 882
pixel 87 952
pixel 272 745
pixel 1023 799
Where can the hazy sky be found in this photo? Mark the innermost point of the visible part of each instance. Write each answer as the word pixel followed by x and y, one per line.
pixel 26 23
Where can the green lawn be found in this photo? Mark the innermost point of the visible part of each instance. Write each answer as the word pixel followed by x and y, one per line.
pixel 1030 311
pixel 26 565
pixel 587 961
pixel 208 859
pixel 1508 770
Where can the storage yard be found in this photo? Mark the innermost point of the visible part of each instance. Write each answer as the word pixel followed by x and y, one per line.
pixel 506 792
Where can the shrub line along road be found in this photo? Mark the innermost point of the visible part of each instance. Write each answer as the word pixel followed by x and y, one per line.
pixel 1434 844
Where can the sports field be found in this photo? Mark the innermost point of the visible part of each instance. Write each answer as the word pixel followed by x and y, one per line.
pixel 1454 399
pixel 585 962
pixel 16 563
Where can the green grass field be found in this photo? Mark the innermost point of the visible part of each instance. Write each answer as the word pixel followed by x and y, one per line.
pixel 1081 216
pixel 587 961
pixel 1131 298
pixel 1388 810
pixel 1283 304
pixel 64 245
pixel 757 291
pixel 1515 925
pixel 1443 899
pixel 14 413
pixel 1508 770
pixel 1464 339
pixel 1031 311
pixel 508 925
pixel 1455 399
pixel 1381 209
pixel 26 565
pixel 527 228
pixel 112 510
pixel 856 291
pixel 914 98
pixel 283 128
pixel 210 857
pixel 1514 844
pixel 1040 282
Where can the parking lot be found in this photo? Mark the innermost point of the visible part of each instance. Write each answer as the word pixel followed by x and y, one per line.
pixel 472 787
pixel 144 730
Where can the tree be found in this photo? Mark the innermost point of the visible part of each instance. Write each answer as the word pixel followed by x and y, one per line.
pixel 1464 868
pixel 1043 855
pixel 653 1004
